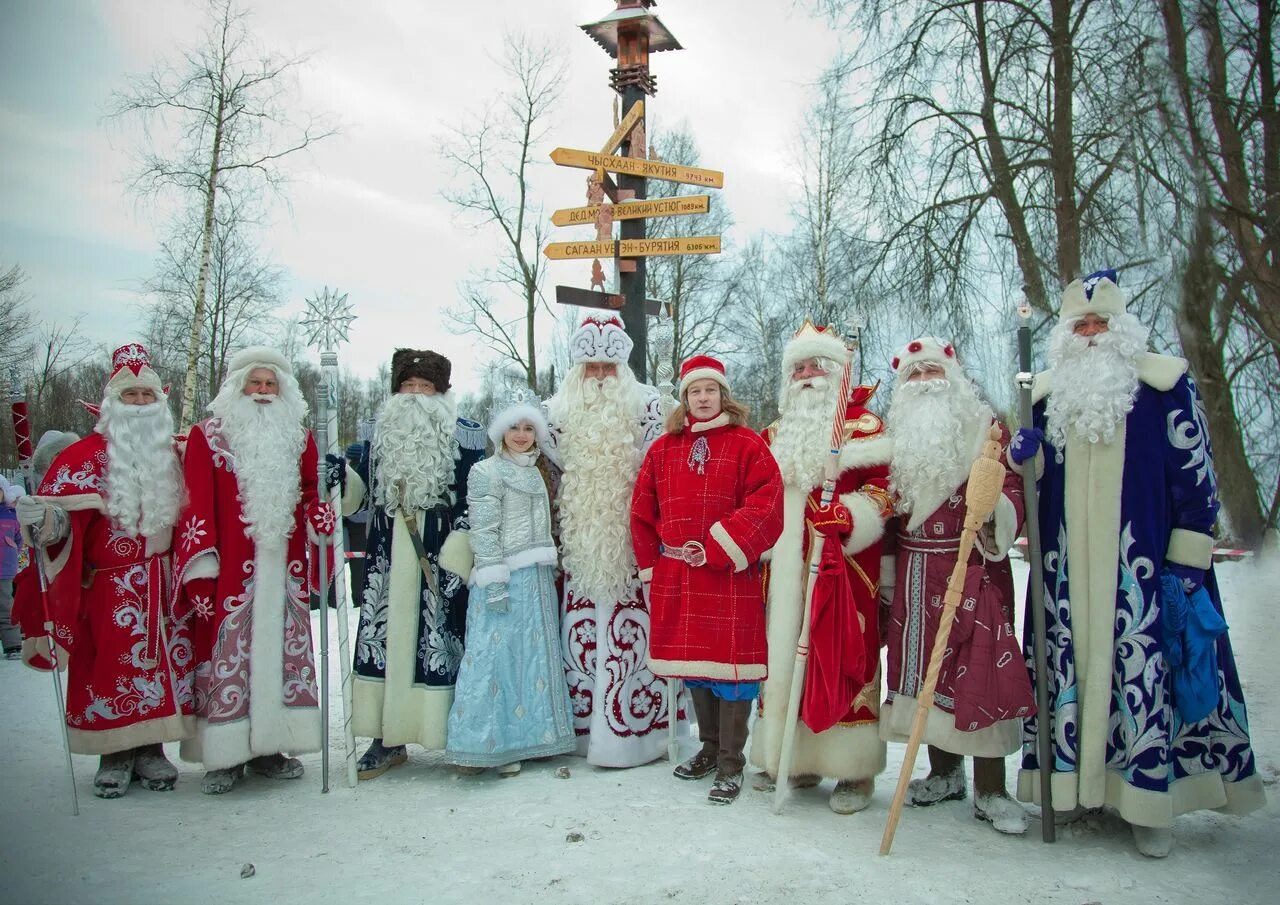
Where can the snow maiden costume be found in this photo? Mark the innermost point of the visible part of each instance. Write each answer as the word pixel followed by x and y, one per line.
pixel 1128 498
pixel 511 702
pixel 710 486
pixel 413 478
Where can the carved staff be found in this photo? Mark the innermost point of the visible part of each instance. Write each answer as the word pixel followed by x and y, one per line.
pixel 22 441
pixel 1039 635
pixel 830 474
pixel 663 339
pixel 986 479
pixel 329 318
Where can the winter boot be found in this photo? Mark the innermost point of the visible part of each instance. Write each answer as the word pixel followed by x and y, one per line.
pixel 276 766
pixel 945 781
pixel 851 795
pixel 706 706
pixel 114 774
pixel 378 759
pixel 733 719
pixel 1153 841
pixel 508 770
pixel 216 782
pixel 1002 812
pixel 153 770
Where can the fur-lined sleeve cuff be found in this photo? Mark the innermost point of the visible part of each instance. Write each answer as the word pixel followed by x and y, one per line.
pixel 203 566
pixel 487 575
pixel 353 496
pixel 1190 548
pixel 729 546
pixel 1004 529
pixel 868 522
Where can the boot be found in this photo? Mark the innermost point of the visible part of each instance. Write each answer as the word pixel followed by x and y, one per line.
pixel 991 802
pixel 733 718
pixel 706 706
pixel 114 774
pixel 153 770
pixel 378 759
pixel 509 770
pixel 217 782
pixel 945 781
pixel 851 795
pixel 276 766
pixel 1153 841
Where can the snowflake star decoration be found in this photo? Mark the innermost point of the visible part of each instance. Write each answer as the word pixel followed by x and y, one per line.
pixel 328 319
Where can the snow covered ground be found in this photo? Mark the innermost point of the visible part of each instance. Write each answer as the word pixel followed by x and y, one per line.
pixel 423 834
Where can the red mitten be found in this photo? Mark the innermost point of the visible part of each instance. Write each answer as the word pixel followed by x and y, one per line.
pixel 834 520
pixel 322 519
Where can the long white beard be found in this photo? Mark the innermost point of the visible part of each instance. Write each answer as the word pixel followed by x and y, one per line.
pixel 803 440
pixel 144 486
pixel 1094 385
pixel 599 448
pixel 414 448
pixel 267 443
pixel 933 425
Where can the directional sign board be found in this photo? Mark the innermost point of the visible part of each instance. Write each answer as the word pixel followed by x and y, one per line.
pixel 637 166
pixel 624 128
pixel 632 210
pixel 691 245
pixel 564 251
pixel 589 298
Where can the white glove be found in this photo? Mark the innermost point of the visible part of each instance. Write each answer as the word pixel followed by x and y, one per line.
pixel 42 522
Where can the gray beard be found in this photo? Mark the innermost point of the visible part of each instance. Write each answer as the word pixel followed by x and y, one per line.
pixel 1094 387
pixel 267 442
pixel 144 485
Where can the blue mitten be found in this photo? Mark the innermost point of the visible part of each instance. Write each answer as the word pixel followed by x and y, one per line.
pixel 335 473
pixel 1025 444
pixel 1192 578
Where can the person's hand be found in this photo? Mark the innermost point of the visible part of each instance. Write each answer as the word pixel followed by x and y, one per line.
pixel 1192 578
pixel 335 473
pixel 833 520
pixel 322 519
pixel 1025 444
pixel 43 522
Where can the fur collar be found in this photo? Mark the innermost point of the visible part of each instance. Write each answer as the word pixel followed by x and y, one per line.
pixel 1160 372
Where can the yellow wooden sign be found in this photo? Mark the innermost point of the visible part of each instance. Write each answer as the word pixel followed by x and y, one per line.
pixel 678 206
pixel 637 166
pixel 628 123
pixel 689 245
pixel 563 251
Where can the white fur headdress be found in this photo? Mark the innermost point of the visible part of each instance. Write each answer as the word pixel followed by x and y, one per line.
pixel 602 338
pixel 131 368
pixel 519 405
pixel 926 349
pixel 259 357
pixel 1098 293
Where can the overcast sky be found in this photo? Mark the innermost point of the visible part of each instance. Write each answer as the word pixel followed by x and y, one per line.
pixel 365 213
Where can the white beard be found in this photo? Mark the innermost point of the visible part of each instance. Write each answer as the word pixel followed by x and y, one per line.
pixel 933 425
pixel 144 486
pixel 803 439
pixel 1094 383
pixel 599 447
pixel 267 442
pixel 414 448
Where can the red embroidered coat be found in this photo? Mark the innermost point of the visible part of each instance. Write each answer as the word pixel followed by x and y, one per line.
pixel 255 688
pixel 128 666
pixel 715 484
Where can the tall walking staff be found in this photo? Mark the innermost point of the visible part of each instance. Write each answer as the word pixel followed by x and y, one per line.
pixel 1039 636
pixel 329 317
pixel 22 442
pixel 986 479
pixel 662 338
pixel 831 472
pixel 322 571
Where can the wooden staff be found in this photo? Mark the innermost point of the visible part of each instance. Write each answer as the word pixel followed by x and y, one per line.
pixel 830 474
pixel 986 479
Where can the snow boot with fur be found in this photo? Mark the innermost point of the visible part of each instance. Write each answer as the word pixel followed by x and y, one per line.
pixel 217 782
pixel 276 766
pixel 1002 812
pixel 851 795
pixel 115 771
pixel 378 759
pixel 153 770
pixel 1153 841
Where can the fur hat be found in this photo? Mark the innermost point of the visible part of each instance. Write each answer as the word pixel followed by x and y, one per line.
pixel 423 364
pixel 702 367
pixel 1098 293
pixel 51 444
pixel 812 341
pixel 520 405
pixel 131 369
pixel 925 349
pixel 259 357
pixel 602 338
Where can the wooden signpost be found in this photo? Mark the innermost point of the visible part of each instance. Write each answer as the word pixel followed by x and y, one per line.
pixel 676 206
pixel 565 251
pixel 685 245
pixel 608 301
pixel 634 115
pixel 637 166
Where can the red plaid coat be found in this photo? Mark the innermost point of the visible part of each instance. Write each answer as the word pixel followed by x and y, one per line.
pixel 718 485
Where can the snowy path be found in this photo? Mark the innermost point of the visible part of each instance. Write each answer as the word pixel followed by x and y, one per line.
pixel 422 834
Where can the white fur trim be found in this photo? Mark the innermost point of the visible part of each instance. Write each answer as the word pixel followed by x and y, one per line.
pixel 1004 529
pixel 456 555
pixel 1106 299
pixel 814 345
pixel 396 710
pixel 1022 469
pixel 863 452
pixel 719 420
pixel 1160 372
pixel 487 575
pixel 646 574
pixel 171 728
pixel 1190 548
pixel 259 357
pixel 997 740
pixel 702 374
pixel 353 496
pixel 124 379
pixel 535 556
pixel 932 350
pixel 205 565
pixel 729 546
pixel 843 751
pixel 868 523
pixel 707 669
pixel 511 416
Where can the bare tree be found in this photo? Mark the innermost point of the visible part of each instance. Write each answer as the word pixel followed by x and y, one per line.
pixel 491 154
pixel 15 319
pixel 229 102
